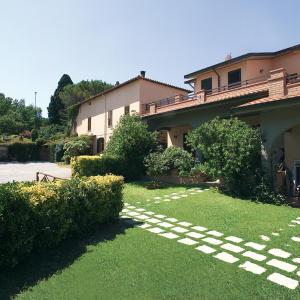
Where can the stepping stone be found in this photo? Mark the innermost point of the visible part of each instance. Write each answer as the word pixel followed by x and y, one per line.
pixel 212 241
pixel 279 253
pixel 283 280
pixel 157 198
pixel 296 221
pixel 171 220
pixel 156 202
pixel 195 235
pixel 275 233
pixel 255 246
pixel 144 226
pixel 125 210
pixel 265 238
pixel 282 265
pixel 232 248
pixel 255 256
pixel 156 230
pixel 131 207
pixel 224 256
pixel 153 220
pixel 292 225
pixel 175 197
pixel 150 213
pixel 138 202
pixel 174 194
pixel 199 191
pixel 167 200
pixel 298 218
pixel 215 233
pixel 179 229
pixel 192 193
pixel 170 235
pixel 253 268
pixel 296 260
pixel 187 241
pixel 205 249
pixel 140 209
pixel 133 213
pixel 234 239
pixel 159 216
pixel 199 228
pixel 165 225
pixel 185 224
pixel 295 239
pixel 125 203
pixel 142 217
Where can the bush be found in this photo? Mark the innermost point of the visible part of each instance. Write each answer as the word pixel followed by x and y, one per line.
pixel 23 151
pixel 41 215
pixel 51 132
pixel 132 142
pixel 98 165
pixel 231 150
pixel 173 158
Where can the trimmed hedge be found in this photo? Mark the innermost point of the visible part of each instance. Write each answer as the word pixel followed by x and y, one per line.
pixel 41 215
pixel 98 165
pixel 23 151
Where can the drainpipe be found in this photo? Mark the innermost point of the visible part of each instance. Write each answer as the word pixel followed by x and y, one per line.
pixel 219 80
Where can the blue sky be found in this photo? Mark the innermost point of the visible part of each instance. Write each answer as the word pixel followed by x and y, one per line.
pixel 114 40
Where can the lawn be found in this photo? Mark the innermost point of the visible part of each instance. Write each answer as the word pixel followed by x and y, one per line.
pixel 124 261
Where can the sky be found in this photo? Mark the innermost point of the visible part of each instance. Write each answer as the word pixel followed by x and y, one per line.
pixel 113 40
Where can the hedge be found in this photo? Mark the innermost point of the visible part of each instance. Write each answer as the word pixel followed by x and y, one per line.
pixel 23 151
pixel 41 215
pixel 98 165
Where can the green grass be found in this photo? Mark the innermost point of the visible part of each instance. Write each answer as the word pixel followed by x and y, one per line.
pixel 126 262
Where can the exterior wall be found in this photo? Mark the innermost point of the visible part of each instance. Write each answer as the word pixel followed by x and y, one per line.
pixel 175 135
pixel 289 61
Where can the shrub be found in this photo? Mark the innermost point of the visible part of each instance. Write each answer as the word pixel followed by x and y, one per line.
pixel 231 150
pixel 51 132
pixel 173 158
pixel 132 142
pixel 23 151
pixel 34 135
pixel 41 215
pixel 98 165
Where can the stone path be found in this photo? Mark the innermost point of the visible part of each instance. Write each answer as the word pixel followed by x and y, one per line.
pixel 247 255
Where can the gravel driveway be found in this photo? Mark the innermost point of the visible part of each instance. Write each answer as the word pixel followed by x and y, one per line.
pixel 27 171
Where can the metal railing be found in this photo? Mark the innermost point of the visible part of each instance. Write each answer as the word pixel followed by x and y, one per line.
pixel 292 78
pixel 46 177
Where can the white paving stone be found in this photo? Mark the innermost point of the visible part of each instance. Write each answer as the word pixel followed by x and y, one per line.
pixel 157 198
pixel 295 239
pixel 171 220
pixel 255 246
pixel 125 210
pixel 193 193
pixel 175 197
pixel 275 233
pixel 159 216
pixel 195 235
pixel 167 200
pixel 165 225
pixel 298 218
pixel 156 230
pixel 199 191
pixel 169 235
pixel 150 213
pixel 254 255
pixel 153 220
pixel 187 241
pixel 206 249
pixel 283 280
pixel 292 225
pixel 144 226
pixel 179 229
pixel 224 256
pixel 253 268
pixel 234 239
pixel 125 203
pixel 140 209
pixel 133 213
pixel 265 238
pixel 295 221
pixel 279 253
pixel 142 217
pixel 232 248
pixel 156 202
pixel 185 224
pixel 199 228
pixel 131 207
pixel 282 265
pixel 184 195
pixel 215 233
pixel 296 260
pixel 212 241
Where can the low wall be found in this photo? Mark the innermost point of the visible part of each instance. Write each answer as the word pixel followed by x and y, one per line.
pixel 3 153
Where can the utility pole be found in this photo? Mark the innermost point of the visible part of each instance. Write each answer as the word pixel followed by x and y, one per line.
pixel 35 112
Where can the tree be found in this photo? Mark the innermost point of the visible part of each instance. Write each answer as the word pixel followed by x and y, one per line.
pixel 75 93
pixel 231 150
pixel 132 142
pixel 56 106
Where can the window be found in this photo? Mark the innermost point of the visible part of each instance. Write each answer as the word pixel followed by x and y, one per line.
pixel 89 124
pixel 206 84
pixel 109 119
pixel 127 110
pixel 234 78
pixel 100 145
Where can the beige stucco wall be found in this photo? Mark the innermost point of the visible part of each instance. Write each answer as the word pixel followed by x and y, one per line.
pixel 175 135
pixel 290 61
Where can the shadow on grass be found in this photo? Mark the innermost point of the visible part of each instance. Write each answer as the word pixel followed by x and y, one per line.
pixel 164 185
pixel 39 266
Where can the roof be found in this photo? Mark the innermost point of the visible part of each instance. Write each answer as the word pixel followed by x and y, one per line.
pixel 241 57
pixel 130 81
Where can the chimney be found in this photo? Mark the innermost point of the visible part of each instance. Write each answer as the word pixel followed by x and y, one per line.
pixel 228 57
pixel 117 82
pixel 143 73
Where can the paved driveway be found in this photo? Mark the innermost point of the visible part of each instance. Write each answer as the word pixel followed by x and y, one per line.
pixel 26 171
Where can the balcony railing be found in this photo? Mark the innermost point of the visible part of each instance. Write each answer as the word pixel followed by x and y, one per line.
pixel 292 78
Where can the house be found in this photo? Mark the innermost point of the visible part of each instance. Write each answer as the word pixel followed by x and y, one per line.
pixel 263 89
pixel 99 115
